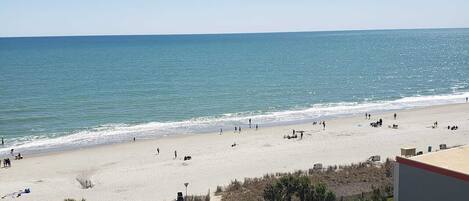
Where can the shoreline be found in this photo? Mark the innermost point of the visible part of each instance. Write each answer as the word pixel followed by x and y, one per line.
pixel 147 131
pixel 184 135
pixel 133 171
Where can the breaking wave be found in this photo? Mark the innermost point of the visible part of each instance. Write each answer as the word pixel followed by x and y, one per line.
pixel 113 133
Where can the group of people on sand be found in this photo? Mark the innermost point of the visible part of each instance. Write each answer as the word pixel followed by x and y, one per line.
pixel 294 135
pixel 367 116
pixel 250 124
pixel 322 123
pixel 175 152
pixel 7 161
pixel 237 129
pixel 186 158
pixel 453 128
pixel 379 123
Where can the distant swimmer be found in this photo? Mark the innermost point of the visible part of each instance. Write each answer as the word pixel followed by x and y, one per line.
pixel 3 142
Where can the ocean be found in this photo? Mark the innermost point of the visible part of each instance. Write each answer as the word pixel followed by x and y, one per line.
pixel 69 92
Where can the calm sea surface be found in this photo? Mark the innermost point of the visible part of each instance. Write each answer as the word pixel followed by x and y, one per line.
pixel 62 92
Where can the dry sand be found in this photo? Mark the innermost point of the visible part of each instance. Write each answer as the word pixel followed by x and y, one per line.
pixel 133 171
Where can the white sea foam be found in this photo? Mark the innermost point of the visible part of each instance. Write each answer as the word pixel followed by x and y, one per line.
pixel 112 133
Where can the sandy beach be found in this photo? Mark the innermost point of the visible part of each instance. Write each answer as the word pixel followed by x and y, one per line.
pixel 133 171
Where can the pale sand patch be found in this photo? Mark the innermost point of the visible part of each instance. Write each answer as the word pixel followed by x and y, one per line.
pixel 132 171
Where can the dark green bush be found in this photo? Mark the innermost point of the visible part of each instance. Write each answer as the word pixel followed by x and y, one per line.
pixel 296 187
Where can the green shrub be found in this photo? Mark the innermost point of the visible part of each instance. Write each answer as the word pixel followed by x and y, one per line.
pixel 294 187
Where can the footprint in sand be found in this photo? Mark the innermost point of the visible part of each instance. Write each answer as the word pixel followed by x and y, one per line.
pixel 267 145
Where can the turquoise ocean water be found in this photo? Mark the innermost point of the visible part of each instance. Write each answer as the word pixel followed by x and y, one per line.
pixel 66 92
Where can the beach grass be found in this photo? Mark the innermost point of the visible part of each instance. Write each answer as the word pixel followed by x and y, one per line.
pixel 363 181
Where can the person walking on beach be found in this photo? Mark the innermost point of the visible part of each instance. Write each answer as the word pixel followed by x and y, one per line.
pixel 249 123
pixel 175 154
pixel 301 135
pixel 158 151
pixel 395 116
pixel 323 125
pixel 257 126
pixel 369 116
pixel 467 99
pixel 221 131
pixel 236 129
pixel 239 129
pixel 366 115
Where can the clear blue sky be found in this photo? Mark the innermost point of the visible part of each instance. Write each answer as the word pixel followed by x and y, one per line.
pixel 100 17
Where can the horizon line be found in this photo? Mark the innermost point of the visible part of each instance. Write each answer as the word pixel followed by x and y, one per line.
pixel 232 33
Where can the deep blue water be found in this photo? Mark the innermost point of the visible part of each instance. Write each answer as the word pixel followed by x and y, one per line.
pixel 75 91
